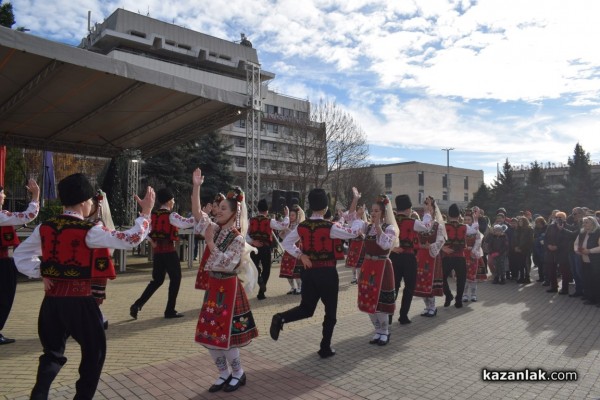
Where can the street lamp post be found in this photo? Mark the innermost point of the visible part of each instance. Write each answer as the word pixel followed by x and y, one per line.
pixel 447 150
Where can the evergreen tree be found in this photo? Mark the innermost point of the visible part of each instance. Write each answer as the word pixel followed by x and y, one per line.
pixel 580 189
pixel 482 199
pixel 173 169
pixel 114 185
pixel 7 16
pixel 537 196
pixel 506 192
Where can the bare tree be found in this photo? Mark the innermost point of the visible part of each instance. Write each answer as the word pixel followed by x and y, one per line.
pixel 364 180
pixel 346 146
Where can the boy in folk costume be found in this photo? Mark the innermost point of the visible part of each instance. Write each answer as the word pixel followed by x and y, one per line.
pixel 476 269
pixel 320 279
pixel 225 323
pixel 260 235
pixel 66 246
pixel 453 253
pixel 163 234
pixel 429 263
pixel 291 268
pixel 376 279
pixel 8 238
pixel 403 256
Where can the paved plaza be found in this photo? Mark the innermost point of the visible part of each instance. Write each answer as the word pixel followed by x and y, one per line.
pixel 511 327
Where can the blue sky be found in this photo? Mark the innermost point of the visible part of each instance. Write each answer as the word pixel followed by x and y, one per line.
pixel 494 79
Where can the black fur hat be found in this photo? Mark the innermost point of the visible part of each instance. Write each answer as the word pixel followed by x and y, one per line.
pixel 403 202
pixel 317 199
pixel 164 195
pixel 453 211
pixel 74 189
pixel 262 205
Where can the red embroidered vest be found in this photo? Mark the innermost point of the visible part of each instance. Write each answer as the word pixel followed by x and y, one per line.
pixel 317 244
pixel 372 248
pixel 161 227
pixel 8 237
pixel 407 235
pixel 260 229
pixel 429 236
pixel 65 255
pixel 457 234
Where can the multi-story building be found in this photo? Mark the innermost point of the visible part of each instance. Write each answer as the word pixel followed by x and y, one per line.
pixel 154 44
pixel 446 184
pixel 554 174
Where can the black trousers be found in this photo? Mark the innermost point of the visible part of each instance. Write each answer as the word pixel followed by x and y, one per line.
pixel 318 284
pixel 459 265
pixel 405 267
pixel 79 317
pixel 8 288
pixel 262 260
pixel 164 263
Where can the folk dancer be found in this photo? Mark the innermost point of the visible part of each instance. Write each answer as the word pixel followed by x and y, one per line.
pixel 429 263
pixel 165 231
pixel 476 268
pixel 356 252
pixel 260 235
pixel 291 267
pixel 403 256
pixel 376 278
pixel 225 322
pixel 202 276
pixel 66 246
pixel 453 253
pixel 8 238
pixel 320 279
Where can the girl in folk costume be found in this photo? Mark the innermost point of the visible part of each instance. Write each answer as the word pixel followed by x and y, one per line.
pixel 102 257
pixel 202 276
pixel 476 269
pixel 356 249
pixel 429 264
pixel 291 268
pixel 376 279
pixel 226 323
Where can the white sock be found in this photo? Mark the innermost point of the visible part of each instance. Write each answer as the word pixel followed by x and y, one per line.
pixel 221 363
pixel 233 356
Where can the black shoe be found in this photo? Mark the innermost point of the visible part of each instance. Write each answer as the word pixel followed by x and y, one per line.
pixel 546 284
pixel 219 386
pixel 576 294
pixel 133 311
pixel 261 295
pixel 375 340
pixel 458 304
pixel 527 281
pixel 404 321
pixel 551 290
pixel 448 301
pixel 540 280
pixel 5 340
pixel 276 326
pixel 325 353
pixel 237 382
pixel 385 339
pixel 522 280
pixel 563 292
pixel 174 314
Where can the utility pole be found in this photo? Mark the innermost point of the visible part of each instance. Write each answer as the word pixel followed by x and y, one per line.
pixel 447 150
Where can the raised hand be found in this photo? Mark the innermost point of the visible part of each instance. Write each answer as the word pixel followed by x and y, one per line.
pixel 197 177
pixel 355 193
pixel 148 201
pixel 33 187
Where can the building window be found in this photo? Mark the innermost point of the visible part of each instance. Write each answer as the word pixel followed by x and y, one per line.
pixel 240 162
pixel 290 149
pixel 289 167
pixel 466 196
pixel 274 148
pixel 445 181
pixel 466 183
pixel 388 180
pixel 241 123
pixel 421 178
pixel 445 196
pixel 240 142
pixel 421 196
pixel 271 109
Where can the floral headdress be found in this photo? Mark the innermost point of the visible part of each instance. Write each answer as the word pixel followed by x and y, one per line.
pixel 382 198
pixel 237 195
pixel 219 197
